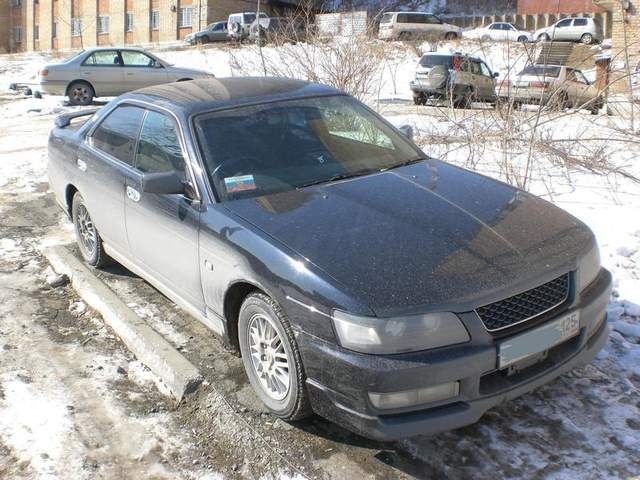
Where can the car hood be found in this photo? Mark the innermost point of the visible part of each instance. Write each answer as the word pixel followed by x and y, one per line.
pixel 424 237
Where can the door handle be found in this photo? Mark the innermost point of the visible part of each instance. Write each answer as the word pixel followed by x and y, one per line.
pixel 133 194
pixel 129 73
pixel 86 73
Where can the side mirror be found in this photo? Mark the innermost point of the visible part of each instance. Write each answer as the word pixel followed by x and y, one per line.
pixel 495 74
pixel 165 183
pixel 407 131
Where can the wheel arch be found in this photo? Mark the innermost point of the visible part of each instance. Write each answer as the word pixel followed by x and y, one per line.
pixel 233 298
pixel 69 192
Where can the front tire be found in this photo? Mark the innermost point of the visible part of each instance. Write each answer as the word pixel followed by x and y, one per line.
pixel 87 236
pixel 523 39
pixel 271 358
pixel 451 36
pixel 80 93
pixel 544 37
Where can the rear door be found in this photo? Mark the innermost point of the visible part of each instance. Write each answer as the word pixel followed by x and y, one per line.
pixel 104 71
pixel 104 159
pixel 162 230
pixel 141 70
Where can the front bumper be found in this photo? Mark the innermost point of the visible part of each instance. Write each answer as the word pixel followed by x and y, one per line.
pixel 339 380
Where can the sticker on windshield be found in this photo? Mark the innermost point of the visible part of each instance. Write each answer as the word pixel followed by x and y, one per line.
pixel 241 183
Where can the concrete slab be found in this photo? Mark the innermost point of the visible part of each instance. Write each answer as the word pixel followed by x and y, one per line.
pixel 178 374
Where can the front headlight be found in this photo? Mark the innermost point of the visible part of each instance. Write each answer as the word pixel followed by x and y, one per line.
pixel 398 335
pixel 589 267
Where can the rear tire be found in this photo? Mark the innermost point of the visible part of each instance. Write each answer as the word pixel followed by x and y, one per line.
pixel 451 36
pixel 271 358
pixel 586 38
pixel 485 38
pixel 463 99
pixel 80 93
pixel 87 236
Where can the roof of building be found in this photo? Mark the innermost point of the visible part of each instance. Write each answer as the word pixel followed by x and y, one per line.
pixel 196 96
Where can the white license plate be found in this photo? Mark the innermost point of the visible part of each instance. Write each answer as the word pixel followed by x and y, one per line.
pixel 538 340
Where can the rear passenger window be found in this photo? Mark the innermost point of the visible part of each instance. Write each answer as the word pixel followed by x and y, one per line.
pixel 579 22
pixel 117 133
pixel 103 58
pixel 159 147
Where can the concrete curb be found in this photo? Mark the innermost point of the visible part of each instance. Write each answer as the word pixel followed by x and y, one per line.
pixel 179 375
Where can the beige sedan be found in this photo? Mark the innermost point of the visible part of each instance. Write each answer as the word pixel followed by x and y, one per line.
pixel 109 71
pixel 552 85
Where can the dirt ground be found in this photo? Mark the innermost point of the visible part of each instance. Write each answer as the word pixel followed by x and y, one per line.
pixel 75 404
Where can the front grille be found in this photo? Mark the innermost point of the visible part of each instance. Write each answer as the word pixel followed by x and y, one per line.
pixel 524 306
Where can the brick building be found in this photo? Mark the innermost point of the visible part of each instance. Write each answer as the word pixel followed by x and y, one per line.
pixel 625 41
pixel 27 25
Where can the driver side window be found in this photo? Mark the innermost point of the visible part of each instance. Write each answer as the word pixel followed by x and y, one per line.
pixel 159 146
pixel 131 58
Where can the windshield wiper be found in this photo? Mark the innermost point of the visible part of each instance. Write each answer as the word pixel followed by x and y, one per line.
pixel 404 164
pixel 337 176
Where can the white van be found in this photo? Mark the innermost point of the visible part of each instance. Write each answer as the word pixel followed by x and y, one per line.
pixel 239 23
pixel 416 25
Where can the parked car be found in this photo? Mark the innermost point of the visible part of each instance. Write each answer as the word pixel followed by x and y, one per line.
pixel 385 290
pixel 499 31
pixel 275 29
pixel 108 71
pixel 415 26
pixel 215 32
pixel 458 78
pixel 553 85
pixel 239 24
pixel 578 29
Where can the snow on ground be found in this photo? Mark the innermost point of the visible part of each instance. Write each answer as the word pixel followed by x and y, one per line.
pixel 609 204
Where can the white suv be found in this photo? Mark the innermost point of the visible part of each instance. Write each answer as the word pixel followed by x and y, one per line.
pixel 578 29
pixel 415 25
pixel 239 23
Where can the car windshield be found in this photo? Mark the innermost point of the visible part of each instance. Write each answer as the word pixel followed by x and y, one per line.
pixel 386 18
pixel 276 147
pixel 541 71
pixel 435 60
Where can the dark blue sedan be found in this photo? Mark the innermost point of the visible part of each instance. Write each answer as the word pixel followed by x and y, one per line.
pixel 387 291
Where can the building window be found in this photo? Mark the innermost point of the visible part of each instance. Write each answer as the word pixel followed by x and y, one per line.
pixel 16 3
pixel 102 25
pixel 186 17
pixel 76 27
pixel 54 30
pixel 17 34
pixel 155 20
pixel 36 32
pixel 128 22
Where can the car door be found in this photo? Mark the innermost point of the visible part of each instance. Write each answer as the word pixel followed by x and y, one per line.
pixel 562 30
pixel 510 32
pixel 141 70
pixel 585 92
pixel 103 70
pixel 494 31
pixel 104 159
pixel 162 230
pixel 219 32
pixel 488 82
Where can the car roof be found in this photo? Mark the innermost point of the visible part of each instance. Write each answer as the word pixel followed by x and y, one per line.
pixel 196 96
pixel 98 49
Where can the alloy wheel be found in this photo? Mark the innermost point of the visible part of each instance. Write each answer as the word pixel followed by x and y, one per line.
pixel 86 230
pixel 269 358
pixel 80 93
